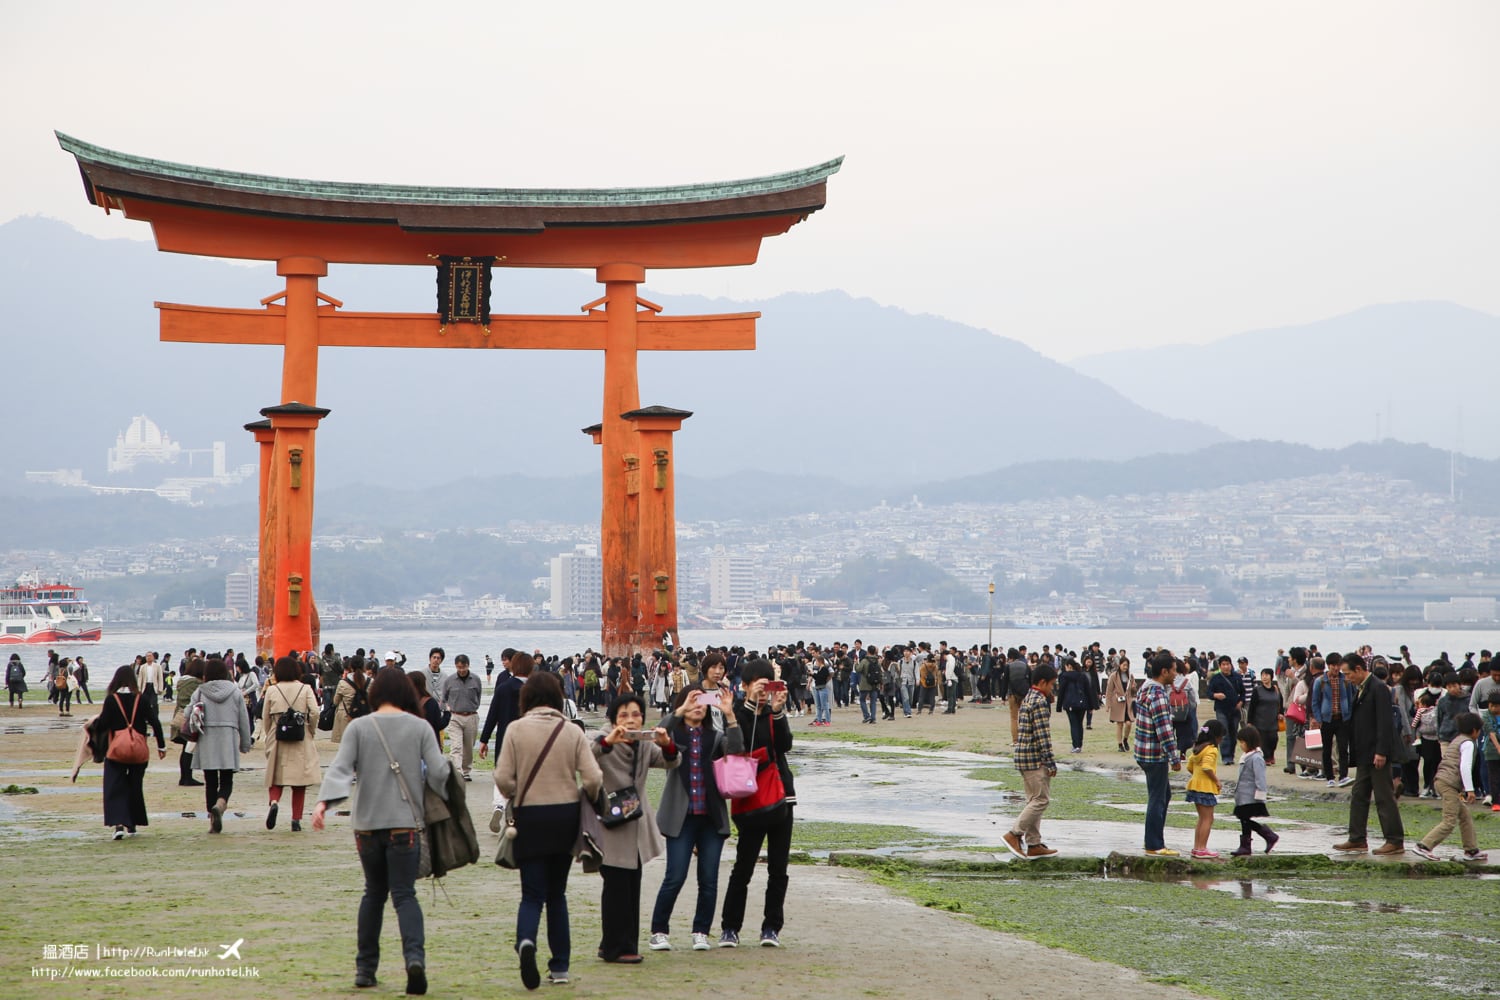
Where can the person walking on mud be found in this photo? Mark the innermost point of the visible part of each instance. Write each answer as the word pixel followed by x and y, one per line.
pixel 226 735
pixel 1037 766
pixel 15 681
pixel 1373 744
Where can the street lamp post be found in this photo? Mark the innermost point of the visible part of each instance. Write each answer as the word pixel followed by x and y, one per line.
pixel 992 617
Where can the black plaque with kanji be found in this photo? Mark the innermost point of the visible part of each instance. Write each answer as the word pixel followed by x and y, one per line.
pixel 464 289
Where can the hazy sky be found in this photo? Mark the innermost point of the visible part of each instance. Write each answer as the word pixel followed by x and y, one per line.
pixel 1081 176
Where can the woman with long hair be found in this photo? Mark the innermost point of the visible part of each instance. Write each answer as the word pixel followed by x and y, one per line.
pixel 128 705
pixel 387 751
pixel 1119 698
pixel 290 762
pixel 542 761
pixel 693 816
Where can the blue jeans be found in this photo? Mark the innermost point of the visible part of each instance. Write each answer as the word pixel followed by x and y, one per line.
pixel 823 697
pixel 1231 722
pixel 699 832
pixel 1158 795
pixel 389 859
pixel 545 881
pixel 904 689
pixel 868 700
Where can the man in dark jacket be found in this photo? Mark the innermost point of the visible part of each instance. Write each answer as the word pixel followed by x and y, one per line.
pixel 1017 684
pixel 1374 743
pixel 1228 694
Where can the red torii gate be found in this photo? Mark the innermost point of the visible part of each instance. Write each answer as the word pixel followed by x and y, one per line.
pixel 304 226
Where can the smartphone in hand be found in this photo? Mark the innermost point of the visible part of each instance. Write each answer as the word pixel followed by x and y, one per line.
pixel 706 698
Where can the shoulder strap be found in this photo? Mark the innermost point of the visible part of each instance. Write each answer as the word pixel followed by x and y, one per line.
pixel 537 766
pixel 133 706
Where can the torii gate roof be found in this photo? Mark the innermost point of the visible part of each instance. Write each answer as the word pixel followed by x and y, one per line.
pixel 199 210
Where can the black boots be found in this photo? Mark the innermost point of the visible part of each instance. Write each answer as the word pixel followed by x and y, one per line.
pixel 1244 850
pixel 185 766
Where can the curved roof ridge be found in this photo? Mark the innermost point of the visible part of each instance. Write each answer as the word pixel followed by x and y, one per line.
pixel 344 191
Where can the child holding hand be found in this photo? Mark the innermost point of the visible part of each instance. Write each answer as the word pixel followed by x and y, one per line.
pixel 1203 784
pixel 1250 793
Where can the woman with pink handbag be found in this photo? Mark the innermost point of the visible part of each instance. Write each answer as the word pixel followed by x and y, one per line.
pixel 693 812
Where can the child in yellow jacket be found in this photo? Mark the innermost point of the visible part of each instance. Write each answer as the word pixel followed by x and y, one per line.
pixel 1203 783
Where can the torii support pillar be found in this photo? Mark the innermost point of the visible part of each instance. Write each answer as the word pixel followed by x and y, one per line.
pixel 656 612
pixel 289 509
pixel 265 570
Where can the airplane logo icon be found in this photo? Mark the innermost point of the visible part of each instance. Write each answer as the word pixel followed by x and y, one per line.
pixel 232 950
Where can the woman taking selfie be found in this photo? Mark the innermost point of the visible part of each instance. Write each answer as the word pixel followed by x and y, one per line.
pixel 693 815
pixel 625 754
pixel 766 817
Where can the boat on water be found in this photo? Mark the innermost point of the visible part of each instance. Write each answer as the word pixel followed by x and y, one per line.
pixel 1059 618
pixel 1347 620
pixel 743 618
pixel 34 612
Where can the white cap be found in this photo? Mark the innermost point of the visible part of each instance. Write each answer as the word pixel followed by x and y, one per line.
pixel 391 655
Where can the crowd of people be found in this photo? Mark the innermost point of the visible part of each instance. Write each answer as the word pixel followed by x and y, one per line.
pixel 568 794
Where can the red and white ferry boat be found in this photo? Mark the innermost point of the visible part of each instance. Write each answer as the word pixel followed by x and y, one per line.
pixel 36 612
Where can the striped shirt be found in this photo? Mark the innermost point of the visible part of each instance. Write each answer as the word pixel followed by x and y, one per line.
pixel 1034 751
pixel 1155 742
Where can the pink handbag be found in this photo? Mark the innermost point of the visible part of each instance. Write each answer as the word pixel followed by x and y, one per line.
pixel 734 773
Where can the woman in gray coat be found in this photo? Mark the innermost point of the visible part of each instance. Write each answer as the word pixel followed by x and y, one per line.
pixel 693 815
pixel 387 818
pixel 226 735
pixel 625 761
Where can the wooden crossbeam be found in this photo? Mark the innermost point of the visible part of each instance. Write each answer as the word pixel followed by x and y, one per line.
pixel 210 325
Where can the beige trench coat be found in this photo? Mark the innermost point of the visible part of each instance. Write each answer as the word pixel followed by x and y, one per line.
pixel 632 844
pixel 1117 697
pixel 294 764
pixel 342 696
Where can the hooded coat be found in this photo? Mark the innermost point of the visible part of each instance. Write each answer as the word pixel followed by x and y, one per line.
pixel 226 726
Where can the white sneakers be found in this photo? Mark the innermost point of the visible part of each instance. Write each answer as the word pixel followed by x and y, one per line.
pixel 660 942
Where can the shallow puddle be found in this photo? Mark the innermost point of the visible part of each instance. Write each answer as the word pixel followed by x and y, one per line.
pixel 1256 889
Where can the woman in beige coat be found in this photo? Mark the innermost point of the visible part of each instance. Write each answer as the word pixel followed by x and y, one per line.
pixel 627 847
pixel 291 764
pixel 1119 693
pixel 343 699
pixel 547 813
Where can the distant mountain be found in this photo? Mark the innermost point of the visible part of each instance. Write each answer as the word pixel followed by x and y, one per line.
pixel 1411 370
pixel 71 522
pixel 838 387
pixel 1476 481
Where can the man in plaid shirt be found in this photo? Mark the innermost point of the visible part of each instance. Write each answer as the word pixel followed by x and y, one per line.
pixel 1034 760
pixel 1155 749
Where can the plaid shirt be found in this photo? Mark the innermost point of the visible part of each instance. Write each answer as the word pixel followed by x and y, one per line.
pixel 1155 741
pixel 1035 749
pixel 697 793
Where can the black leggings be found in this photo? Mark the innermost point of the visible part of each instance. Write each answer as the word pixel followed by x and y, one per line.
pixel 217 785
pixel 1249 826
pixel 1432 755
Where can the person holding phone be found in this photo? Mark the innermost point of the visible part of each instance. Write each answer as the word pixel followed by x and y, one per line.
pixel 693 815
pixel 625 754
pixel 766 817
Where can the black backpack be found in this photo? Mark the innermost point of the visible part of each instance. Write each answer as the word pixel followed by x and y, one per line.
pixel 1020 677
pixel 291 725
pixel 359 704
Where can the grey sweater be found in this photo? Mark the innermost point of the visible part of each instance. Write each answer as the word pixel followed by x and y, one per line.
pixel 378 804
